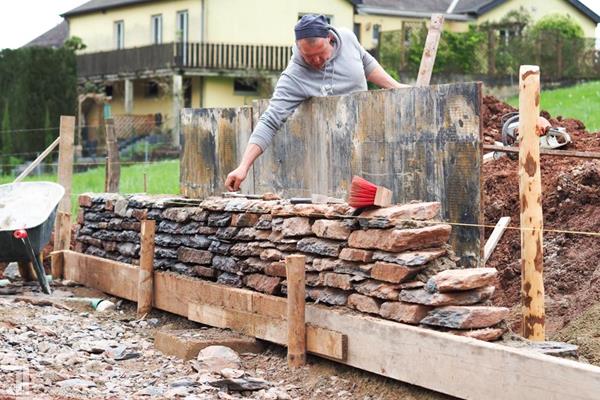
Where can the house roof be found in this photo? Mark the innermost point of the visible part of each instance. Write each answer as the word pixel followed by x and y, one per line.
pixel 99 5
pixel 452 9
pixel 480 7
pixel 55 37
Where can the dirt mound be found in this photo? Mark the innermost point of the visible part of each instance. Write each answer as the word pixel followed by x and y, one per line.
pixel 571 202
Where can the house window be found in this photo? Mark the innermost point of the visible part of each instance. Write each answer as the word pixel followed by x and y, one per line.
pixel 245 86
pixel 182 26
pixel 329 18
pixel 376 32
pixel 357 30
pixel 119 34
pixel 152 89
pixel 156 22
pixel 108 90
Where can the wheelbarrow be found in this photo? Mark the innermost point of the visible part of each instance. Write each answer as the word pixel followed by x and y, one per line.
pixel 27 213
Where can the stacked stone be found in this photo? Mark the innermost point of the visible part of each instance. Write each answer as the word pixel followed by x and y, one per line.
pixel 389 262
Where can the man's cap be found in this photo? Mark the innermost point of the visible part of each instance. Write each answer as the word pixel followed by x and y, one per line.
pixel 311 25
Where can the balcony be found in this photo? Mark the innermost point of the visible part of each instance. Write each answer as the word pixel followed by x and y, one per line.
pixel 203 57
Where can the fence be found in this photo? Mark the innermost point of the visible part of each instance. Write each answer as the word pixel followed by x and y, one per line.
pixel 489 56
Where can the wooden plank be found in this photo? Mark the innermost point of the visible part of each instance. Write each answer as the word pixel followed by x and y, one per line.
pixel 430 49
pixel 296 302
pixel 319 341
pixel 214 138
pixel 112 277
pixel 146 270
pixel 530 196
pixel 436 360
pixel 594 155
pixel 113 165
pixel 494 238
pixel 65 160
pixel 62 241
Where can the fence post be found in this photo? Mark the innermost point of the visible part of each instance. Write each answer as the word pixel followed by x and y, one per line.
pixel 491 52
pixel 530 195
pixel 65 160
pixel 146 272
pixel 113 167
pixel 296 355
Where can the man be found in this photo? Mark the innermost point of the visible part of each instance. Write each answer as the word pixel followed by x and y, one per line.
pixel 326 61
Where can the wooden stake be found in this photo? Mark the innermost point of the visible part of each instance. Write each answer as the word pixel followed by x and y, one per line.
pixel 113 167
pixel 530 195
pixel 494 238
pixel 65 160
pixel 430 50
pixel 146 273
pixel 37 161
pixel 62 241
pixel 296 355
pixel 27 271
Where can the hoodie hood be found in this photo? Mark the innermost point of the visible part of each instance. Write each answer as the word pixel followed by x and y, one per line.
pixel 337 46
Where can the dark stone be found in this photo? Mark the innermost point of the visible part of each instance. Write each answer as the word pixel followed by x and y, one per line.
pixel 129 236
pixel 167 240
pixel 219 219
pixel 228 264
pixel 95 251
pixel 128 249
pixel 334 297
pixel 230 279
pixel 162 252
pixel 264 222
pixel 220 248
pixel 324 247
pixel 246 249
pixel 227 233
pixel 196 241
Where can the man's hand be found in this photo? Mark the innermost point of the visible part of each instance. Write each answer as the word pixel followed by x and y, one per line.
pixel 235 179
pixel 237 176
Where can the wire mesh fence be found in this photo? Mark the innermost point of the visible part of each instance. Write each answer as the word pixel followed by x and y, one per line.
pixel 490 54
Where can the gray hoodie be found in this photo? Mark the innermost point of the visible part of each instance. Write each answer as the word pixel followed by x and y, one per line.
pixel 345 72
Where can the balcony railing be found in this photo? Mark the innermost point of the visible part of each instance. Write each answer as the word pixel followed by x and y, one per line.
pixel 206 56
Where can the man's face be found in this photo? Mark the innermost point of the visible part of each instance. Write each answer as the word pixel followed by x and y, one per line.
pixel 316 51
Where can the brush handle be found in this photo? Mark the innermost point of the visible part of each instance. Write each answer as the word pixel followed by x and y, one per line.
pixel 383 197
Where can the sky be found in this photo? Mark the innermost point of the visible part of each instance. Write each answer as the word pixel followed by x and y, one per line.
pixel 24 20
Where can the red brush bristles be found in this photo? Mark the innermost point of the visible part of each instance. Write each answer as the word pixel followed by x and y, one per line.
pixel 362 193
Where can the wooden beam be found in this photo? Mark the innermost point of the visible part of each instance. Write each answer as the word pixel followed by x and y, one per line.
pixel 113 166
pixel 435 360
pixel 594 155
pixel 146 274
pixel 494 238
pixel 296 298
pixel 530 195
pixel 65 160
pixel 430 50
pixel 62 241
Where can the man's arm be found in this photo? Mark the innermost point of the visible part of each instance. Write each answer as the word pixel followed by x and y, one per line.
pixel 382 79
pixel 237 176
pixel 287 96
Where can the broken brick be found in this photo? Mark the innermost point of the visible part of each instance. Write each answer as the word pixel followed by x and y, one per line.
pixel 461 279
pixel 467 297
pixel 400 239
pixel 404 312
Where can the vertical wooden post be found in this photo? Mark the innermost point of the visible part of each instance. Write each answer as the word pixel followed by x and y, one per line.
pixel 26 271
pixel 530 194
pixel 113 168
pixel 146 273
pixel 430 50
pixel 62 241
pixel 296 355
pixel 65 160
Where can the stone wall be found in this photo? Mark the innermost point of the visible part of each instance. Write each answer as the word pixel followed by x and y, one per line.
pixel 392 262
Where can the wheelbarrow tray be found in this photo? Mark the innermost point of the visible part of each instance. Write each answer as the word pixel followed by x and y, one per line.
pixel 31 206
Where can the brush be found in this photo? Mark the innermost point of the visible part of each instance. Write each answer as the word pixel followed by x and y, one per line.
pixel 364 193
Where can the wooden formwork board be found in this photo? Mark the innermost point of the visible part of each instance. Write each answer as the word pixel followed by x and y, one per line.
pixel 455 365
pixel 423 143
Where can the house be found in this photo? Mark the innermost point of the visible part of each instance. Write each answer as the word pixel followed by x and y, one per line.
pixel 156 57
pixel 374 16
pixel 53 38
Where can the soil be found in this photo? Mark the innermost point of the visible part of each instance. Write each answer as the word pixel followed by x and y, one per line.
pixel 571 202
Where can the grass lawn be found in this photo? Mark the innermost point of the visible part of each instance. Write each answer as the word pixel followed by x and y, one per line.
pixel 579 102
pixel 162 177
